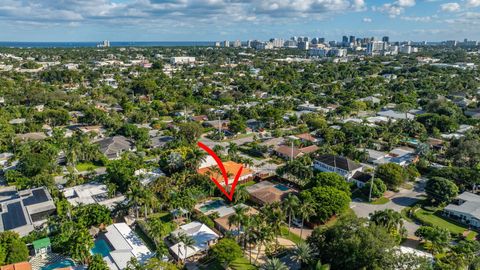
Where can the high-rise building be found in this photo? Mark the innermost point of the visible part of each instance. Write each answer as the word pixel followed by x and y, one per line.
pixel 344 39
pixel 237 43
pixel 375 47
pixel 290 44
pixel 386 39
pixel 277 42
pixel 304 45
pixel 352 39
pixel 321 40
pixel 226 44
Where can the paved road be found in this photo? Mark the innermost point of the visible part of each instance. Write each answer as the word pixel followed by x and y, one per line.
pixel 211 143
pixel 397 202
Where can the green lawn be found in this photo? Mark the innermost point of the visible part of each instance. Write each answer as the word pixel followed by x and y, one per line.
pixel 238 264
pixel 242 264
pixel 292 237
pixel 247 184
pixel 381 200
pixel 85 166
pixel 431 218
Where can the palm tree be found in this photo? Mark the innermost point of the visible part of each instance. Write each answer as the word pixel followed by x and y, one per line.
pixel 389 219
pixel 306 210
pixel 290 205
pixel 135 197
pixel 232 149
pixel 263 234
pixel 274 264
pixel 188 242
pixel 241 194
pixel 237 218
pixel 303 254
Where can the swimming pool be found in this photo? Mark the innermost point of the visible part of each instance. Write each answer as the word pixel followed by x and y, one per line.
pixel 101 247
pixel 61 264
pixel 211 206
pixel 281 187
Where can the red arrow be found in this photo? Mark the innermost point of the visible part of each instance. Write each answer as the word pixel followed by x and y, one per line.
pixel 224 172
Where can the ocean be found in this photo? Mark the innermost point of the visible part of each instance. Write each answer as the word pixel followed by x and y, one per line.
pixel 112 44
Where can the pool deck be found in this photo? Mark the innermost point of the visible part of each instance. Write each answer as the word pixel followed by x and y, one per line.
pixel 38 262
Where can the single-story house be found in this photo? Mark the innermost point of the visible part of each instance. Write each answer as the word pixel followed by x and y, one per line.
pixel 23 211
pixel 289 152
pixel 337 164
pixel 465 209
pixel 306 137
pixel 232 169
pixel 113 147
pixel 203 236
pixel 266 192
pixel 125 245
pixel 396 115
pixel 222 224
pixel 91 193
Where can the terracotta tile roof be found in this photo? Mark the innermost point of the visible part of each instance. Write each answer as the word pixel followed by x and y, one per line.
pixel 17 266
pixel 231 168
pixel 306 137
pixel 285 150
pixel 309 149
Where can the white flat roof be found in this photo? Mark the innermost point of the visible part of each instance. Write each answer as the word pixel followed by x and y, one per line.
pixel 126 244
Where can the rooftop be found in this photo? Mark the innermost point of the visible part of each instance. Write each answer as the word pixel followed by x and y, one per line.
pixel 338 162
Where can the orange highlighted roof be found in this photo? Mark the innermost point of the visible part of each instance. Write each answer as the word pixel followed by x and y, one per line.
pixel 231 168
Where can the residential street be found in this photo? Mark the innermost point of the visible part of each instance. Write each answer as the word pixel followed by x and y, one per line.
pixel 397 202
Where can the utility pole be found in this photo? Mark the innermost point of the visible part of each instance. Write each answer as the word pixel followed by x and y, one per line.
pixel 220 128
pixel 371 186
pixel 291 157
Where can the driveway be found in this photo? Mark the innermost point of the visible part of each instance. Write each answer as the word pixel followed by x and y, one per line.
pixel 398 202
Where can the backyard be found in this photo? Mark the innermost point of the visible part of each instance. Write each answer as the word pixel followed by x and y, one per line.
pixel 434 218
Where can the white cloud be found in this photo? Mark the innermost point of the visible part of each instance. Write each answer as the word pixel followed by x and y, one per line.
pixel 396 8
pixel 450 7
pixel 367 20
pixel 406 3
pixel 416 19
pixel 473 3
pixel 184 11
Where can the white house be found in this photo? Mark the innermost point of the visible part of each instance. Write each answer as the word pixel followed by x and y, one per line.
pixel 126 245
pixel 465 208
pixel 337 164
pixel 91 193
pixel 202 235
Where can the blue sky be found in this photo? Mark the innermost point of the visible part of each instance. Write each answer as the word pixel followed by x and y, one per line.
pixel 209 20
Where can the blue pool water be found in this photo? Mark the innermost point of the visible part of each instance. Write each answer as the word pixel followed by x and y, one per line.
pixel 211 206
pixel 61 264
pixel 101 247
pixel 281 187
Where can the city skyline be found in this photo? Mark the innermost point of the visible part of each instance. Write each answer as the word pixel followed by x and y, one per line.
pixel 211 20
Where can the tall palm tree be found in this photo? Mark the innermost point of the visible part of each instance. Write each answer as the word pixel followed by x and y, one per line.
pixel 274 264
pixel 290 204
pixel 135 197
pixel 303 254
pixel 238 218
pixel 263 234
pixel 188 242
pixel 306 210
